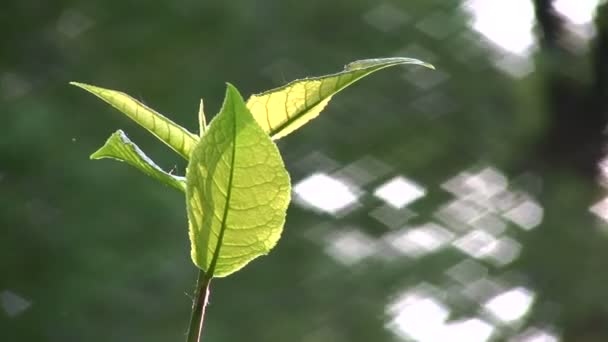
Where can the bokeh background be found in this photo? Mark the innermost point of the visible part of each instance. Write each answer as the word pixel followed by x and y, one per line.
pixel 465 204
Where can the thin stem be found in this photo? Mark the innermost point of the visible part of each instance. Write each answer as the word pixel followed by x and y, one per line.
pixel 195 330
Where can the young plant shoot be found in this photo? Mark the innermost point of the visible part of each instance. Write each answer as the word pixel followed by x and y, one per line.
pixel 236 186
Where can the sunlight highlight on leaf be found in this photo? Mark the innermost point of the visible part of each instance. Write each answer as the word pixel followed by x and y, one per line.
pixel 237 191
pixel 202 119
pixel 172 134
pixel 121 148
pixel 282 110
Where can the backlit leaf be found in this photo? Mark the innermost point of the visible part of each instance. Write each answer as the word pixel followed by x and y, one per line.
pixel 282 110
pixel 237 191
pixel 121 148
pixel 202 119
pixel 172 134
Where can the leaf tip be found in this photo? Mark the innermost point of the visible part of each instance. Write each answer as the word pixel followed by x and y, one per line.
pixel 97 154
pixel 428 65
pixel 232 92
pixel 101 152
pixel 84 86
pixel 202 120
pixel 231 88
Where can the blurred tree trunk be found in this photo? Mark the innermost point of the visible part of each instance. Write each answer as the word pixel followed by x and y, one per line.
pixel 577 109
pixel 566 254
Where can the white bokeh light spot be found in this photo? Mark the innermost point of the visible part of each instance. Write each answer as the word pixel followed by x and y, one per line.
pixel 579 12
pixel 527 214
pixel 511 305
pixel 419 241
pixel 508 24
pixel 418 318
pixel 325 193
pixel 476 243
pixel 535 335
pixel 470 330
pixel 350 247
pixel 399 192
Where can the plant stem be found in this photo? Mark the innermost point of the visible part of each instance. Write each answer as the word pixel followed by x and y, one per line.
pixel 199 305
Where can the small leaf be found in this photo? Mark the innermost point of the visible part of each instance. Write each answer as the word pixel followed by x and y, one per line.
pixel 202 120
pixel 172 134
pixel 282 110
pixel 237 191
pixel 121 148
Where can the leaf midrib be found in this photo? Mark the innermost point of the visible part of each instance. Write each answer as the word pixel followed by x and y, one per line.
pixel 220 238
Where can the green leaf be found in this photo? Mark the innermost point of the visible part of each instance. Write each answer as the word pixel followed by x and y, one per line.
pixel 172 134
pixel 237 191
pixel 202 120
pixel 121 148
pixel 282 110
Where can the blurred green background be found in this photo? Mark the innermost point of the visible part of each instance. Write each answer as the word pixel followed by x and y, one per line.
pixel 464 204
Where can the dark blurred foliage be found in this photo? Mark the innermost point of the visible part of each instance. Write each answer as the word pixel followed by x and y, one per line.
pixel 93 251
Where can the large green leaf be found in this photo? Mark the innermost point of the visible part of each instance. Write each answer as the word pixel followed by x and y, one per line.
pixel 121 148
pixel 237 191
pixel 172 134
pixel 282 110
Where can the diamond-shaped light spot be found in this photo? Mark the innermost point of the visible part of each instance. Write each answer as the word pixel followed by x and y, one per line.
pixel 350 247
pixel 535 335
pixel 505 251
pixel 480 187
pixel 470 330
pixel 476 243
pixel 527 214
pixel 421 240
pixel 399 192
pixel 417 318
pixel 364 170
pixel 324 193
pixel 511 305
pixel 392 217
pixel 467 271
pixel 458 214
pixel 430 236
pixel 481 290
